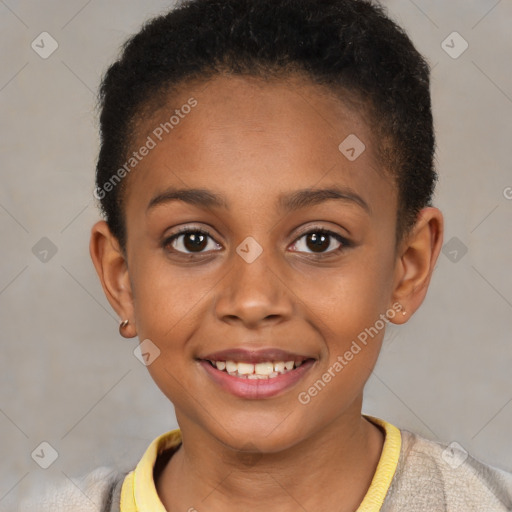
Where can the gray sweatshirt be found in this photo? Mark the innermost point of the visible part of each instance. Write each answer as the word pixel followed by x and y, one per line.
pixel 429 476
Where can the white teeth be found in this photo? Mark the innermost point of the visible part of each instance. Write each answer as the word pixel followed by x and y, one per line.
pixel 245 368
pixel 231 366
pixel 279 367
pixel 265 370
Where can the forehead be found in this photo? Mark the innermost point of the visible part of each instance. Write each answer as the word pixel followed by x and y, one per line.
pixel 256 139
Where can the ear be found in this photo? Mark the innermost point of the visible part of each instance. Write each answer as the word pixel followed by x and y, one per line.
pixel 416 260
pixel 112 269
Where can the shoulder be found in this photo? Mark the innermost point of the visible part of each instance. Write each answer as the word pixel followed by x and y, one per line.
pixel 96 491
pixel 443 477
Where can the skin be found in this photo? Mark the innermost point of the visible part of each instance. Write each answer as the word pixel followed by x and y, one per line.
pixel 252 141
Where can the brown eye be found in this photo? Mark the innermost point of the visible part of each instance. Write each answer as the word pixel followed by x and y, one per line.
pixel 320 241
pixel 190 241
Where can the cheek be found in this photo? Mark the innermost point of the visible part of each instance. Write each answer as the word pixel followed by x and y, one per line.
pixel 168 308
pixel 347 306
pixel 349 298
pixel 347 311
pixel 167 298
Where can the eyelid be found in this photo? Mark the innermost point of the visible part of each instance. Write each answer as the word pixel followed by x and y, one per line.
pixel 345 242
pixel 169 239
pixel 317 227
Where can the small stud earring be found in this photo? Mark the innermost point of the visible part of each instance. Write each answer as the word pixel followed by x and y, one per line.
pixel 404 312
pixel 122 325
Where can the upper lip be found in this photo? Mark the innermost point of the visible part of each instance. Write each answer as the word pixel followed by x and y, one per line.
pixel 254 356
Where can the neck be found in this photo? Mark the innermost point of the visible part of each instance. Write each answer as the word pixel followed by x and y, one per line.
pixel 204 474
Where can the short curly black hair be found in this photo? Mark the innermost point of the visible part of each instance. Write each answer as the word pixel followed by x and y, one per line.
pixel 350 46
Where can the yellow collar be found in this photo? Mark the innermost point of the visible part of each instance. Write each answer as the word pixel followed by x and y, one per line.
pixel 138 493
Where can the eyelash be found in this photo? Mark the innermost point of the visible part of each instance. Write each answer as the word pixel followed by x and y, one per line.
pixel 317 230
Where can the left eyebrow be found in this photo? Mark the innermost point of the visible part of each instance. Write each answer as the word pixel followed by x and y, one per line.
pixel 295 200
pixel 310 197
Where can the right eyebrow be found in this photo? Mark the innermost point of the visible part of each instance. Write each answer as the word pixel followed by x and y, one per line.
pixel 195 196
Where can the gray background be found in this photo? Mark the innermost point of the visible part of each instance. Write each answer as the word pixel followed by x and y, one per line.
pixel 66 375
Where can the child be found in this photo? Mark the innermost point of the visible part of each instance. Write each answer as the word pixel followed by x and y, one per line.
pixel 266 175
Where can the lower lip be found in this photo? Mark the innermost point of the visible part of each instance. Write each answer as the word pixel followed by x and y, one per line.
pixel 257 388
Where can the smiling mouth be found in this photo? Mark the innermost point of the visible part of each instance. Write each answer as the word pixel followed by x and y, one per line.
pixel 264 370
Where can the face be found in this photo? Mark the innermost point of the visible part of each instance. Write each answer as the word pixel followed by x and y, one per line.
pixel 262 267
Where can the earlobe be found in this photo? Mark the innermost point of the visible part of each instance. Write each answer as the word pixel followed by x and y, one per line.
pixel 112 270
pixel 416 261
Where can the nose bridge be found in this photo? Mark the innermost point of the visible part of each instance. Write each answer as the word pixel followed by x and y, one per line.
pixel 253 293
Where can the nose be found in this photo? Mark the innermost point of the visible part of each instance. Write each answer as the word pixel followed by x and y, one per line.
pixel 254 294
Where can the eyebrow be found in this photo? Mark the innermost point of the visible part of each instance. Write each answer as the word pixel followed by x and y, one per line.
pixel 195 196
pixel 311 197
pixel 296 200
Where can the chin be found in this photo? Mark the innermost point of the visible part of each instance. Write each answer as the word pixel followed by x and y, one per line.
pixel 257 436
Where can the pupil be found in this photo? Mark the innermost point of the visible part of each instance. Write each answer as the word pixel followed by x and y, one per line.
pixel 317 241
pixel 195 241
